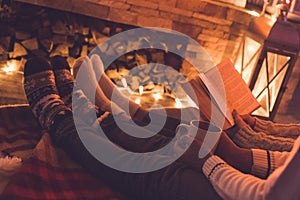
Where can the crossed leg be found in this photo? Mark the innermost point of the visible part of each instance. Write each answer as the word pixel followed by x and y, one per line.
pixel 176 181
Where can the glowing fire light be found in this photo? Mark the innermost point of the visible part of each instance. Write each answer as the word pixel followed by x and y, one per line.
pixel 138 101
pixel 141 90
pixel 157 96
pixel 253 13
pixel 124 82
pixel 125 85
pixel 251 49
pixel 178 103
pixel 10 67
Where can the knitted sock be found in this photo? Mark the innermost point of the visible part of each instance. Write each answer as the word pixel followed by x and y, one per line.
pixel 247 138
pixel 68 91
pixel 110 88
pixel 63 78
pixel 87 80
pixel 41 92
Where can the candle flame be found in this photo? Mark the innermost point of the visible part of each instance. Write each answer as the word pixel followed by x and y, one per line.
pixel 141 89
pixel 11 66
pixel 157 96
pixel 138 101
pixel 253 13
pixel 124 82
pixel 178 103
pixel 251 48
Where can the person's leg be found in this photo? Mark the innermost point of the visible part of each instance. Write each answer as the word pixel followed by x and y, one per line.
pixel 68 91
pixel 184 183
pixel 42 95
pixel 176 181
pixel 111 91
pixel 162 184
pixel 141 115
pixel 86 81
pixel 118 131
pixel 173 117
pixel 85 110
pixel 109 88
pixel 41 91
pixel 63 78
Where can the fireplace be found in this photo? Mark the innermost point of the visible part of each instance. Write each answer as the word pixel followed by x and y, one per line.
pixel 145 77
pixel 140 74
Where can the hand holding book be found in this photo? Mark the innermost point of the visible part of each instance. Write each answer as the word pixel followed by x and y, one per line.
pixel 218 92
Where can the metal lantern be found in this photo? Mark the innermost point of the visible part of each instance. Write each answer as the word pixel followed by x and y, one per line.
pixel 251 46
pixel 274 66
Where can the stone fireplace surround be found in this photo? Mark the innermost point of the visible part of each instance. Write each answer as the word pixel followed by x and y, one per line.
pixel 34 30
pixel 217 26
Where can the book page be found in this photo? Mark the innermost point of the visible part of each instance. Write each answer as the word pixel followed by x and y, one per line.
pixel 238 94
pixel 218 95
pixel 202 97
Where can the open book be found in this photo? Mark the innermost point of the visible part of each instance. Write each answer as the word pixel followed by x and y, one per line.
pixel 218 92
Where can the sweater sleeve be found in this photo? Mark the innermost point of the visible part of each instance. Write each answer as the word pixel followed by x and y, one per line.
pixel 277 129
pixel 247 138
pixel 265 162
pixel 230 183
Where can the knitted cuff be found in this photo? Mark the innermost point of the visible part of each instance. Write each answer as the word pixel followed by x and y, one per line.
pixel 211 165
pixel 261 163
pixel 274 163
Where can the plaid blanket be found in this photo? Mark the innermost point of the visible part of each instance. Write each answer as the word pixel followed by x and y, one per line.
pixel 47 172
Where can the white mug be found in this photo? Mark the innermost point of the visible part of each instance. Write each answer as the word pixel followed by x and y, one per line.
pixel 204 131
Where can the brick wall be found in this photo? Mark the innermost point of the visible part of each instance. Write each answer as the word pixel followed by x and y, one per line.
pixel 217 26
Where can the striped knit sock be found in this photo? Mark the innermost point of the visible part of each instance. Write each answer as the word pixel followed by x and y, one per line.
pixel 41 92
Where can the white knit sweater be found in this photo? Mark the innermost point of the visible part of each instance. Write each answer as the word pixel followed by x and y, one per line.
pixel 283 167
